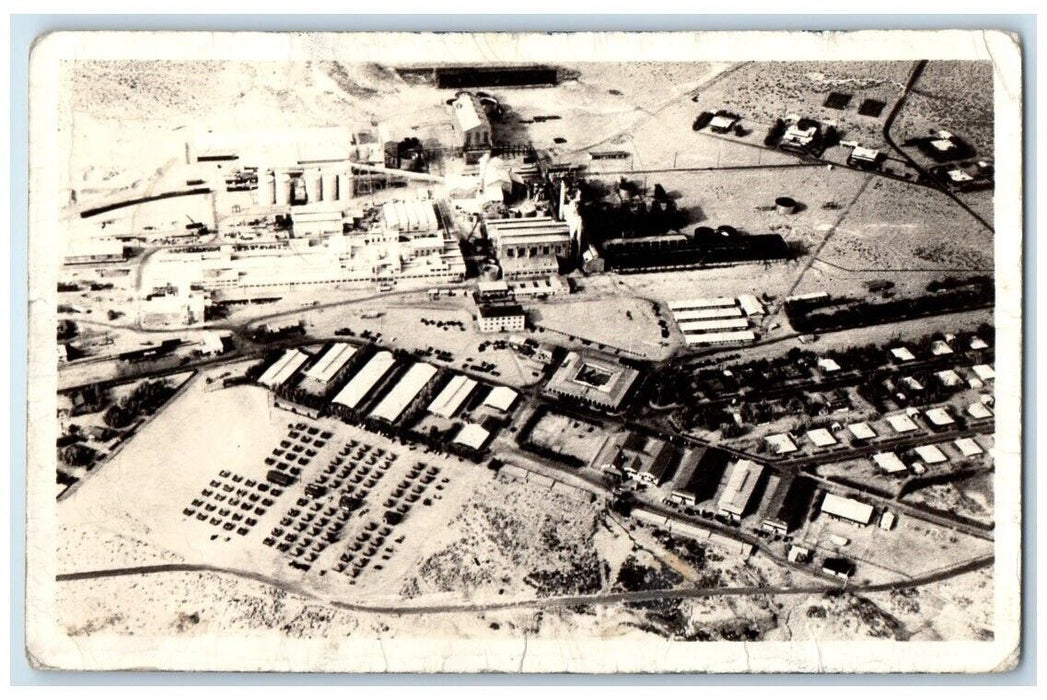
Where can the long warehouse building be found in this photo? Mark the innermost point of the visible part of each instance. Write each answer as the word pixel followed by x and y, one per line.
pixel 715 324
pixel 405 391
pixel 719 338
pixel 448 401
pixel 363 381
pixel 283 369
pixel 702 314
pixel 322 375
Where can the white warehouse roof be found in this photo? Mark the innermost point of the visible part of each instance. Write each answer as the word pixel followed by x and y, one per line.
pixel 714 324
pixel 984 372
pixel 410 215
pixel 724 337
pixel 281 370
pixel 472 435
pixel 701 314
pixel 448 401
pixel 939 416
pixel 501 398
pixel 751 305
pixel 903 354
pixel 862 431
pixel 782 444
pixel 977 410
pixel 821 437
pixel 364 380
pixel 401 395
pixel 847 508
pixel 331 362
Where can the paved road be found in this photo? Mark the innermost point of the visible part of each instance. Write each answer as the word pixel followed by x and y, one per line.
pixel 541 603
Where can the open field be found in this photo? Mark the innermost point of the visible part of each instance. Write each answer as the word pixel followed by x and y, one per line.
pixel 896 226
pixel 971 498
pixel 960 608
pixel 611 325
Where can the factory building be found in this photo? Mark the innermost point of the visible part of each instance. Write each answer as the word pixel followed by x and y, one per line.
pixel 722 338
pixel 698 475
pixel 786 505
pixel 593 379
pixel 529 247
pixel 171 310
pixel 473 436
pixel 501 398
pixel 741 484
pixel 410 216
pixel 380 257
pixel 713 324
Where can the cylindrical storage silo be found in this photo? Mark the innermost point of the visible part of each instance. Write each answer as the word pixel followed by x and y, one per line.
pixel 785 205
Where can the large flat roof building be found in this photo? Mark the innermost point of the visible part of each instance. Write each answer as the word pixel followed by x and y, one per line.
pixel 703 303
pixel 702 314
pixel 847 509
pixel 596 380
pixel 409 215
pixel 638 456
pixel 719 338
pixel 713 324
pixel 787 503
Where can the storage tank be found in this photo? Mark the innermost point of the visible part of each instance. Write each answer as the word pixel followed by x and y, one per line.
pixel 785 205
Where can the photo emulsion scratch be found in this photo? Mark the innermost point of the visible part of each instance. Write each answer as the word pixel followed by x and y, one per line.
pixel 587 353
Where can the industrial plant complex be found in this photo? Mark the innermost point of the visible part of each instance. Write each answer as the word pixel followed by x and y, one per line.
pixel 518 340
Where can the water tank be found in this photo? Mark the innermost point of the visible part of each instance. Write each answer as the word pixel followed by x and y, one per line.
pixel 785 205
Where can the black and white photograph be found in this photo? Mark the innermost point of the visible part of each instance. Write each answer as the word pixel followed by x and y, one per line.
pixel 585 353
